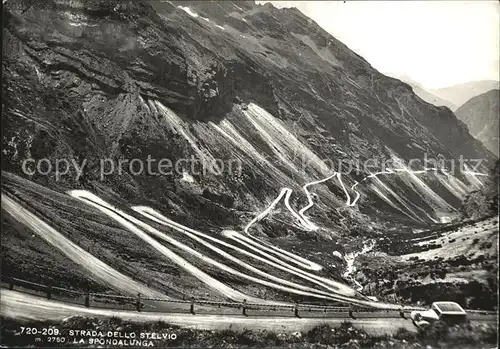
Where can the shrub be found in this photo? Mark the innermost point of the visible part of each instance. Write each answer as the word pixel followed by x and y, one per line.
pixel 403 334
pixel 344 333
pixel 248 337
pixel 271 339
pixel 469 335
pixel 227 336
pixel 116 321
pixel 159 325
pixel 435 331
pixel 323 334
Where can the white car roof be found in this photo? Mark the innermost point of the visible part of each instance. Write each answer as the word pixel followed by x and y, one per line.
pixel 450 308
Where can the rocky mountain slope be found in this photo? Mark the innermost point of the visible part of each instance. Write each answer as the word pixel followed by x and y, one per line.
pixel 220 80
pixel 481 114
pixel 484 200
pixel 426 95
pixel 432 99
pixel 197 84
pixel 461 93
pixel 456 262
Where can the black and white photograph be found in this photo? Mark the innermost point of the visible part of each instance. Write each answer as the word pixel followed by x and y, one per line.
pixel 249 174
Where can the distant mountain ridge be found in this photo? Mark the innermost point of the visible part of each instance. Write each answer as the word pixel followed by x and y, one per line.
pixel 427 96
pixel 461 93
pixel 481 115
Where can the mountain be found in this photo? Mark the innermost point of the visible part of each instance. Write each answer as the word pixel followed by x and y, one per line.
pixel 481 114
pixel 223 118
pixel 433 99
pixel 174 78
pixel 426 95
pixel 461 93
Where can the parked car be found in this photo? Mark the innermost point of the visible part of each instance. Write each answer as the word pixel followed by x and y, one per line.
pixel 449 312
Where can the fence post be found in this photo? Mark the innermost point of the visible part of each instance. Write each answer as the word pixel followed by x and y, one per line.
pixel 350 312
pixel 49 292
pixel 244 306
pixel 11 283
pixel 192 305
pixel 87 299
pixel 138 302
pixel 296 309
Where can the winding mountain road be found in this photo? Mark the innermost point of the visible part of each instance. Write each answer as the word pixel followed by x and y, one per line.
pixel 99 270
pixel 131 223
pixel 254 248
pixel 338 290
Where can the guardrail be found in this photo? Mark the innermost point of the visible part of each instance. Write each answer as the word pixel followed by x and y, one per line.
pixel 140 303
pixel 49 291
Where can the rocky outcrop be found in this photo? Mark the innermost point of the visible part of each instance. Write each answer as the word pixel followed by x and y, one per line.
pixel 483 202
pixel 481 114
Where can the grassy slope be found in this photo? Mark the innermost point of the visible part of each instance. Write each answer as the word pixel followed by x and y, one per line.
pixel 457 264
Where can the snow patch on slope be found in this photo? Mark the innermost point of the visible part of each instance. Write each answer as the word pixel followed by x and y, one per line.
pixel 188 11
pixel 186 177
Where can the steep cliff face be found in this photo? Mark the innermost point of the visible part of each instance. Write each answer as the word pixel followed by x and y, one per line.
pixel 219 80
pixel 481 115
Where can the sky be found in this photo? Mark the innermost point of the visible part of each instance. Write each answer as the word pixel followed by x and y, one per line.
pixel 435 43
